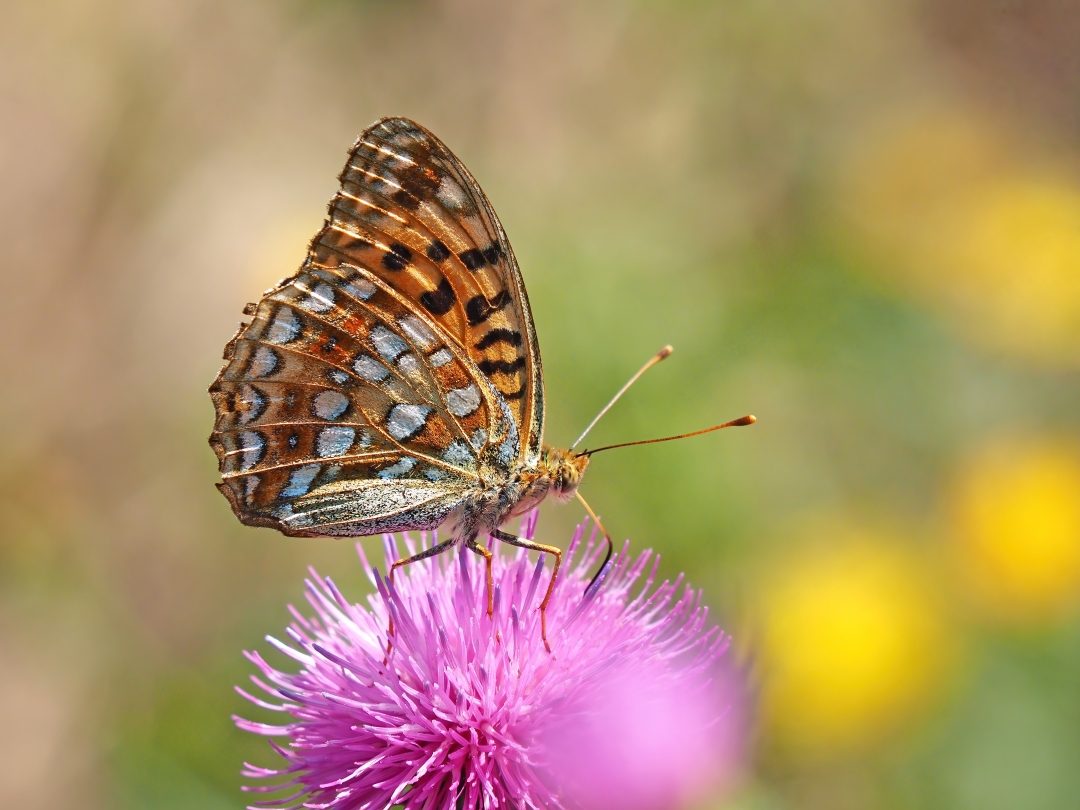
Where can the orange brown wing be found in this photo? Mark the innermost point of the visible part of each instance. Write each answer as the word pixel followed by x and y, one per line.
pixel 372 386
pixel 411 212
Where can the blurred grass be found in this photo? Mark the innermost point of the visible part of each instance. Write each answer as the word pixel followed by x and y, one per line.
pixel 855 220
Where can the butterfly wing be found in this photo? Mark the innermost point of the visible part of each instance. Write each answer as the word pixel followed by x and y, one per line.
pixel 437 225
pixel 372 387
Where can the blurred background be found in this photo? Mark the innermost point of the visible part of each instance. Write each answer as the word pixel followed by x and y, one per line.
pixel 858 220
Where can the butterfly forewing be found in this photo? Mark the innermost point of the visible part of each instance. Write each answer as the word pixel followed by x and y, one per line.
pixel 446 250
pixel 371 387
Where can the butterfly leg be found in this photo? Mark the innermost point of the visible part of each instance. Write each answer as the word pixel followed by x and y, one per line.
pixel 529 544
pixel 423 555
pixel 610 545
pixel 487 555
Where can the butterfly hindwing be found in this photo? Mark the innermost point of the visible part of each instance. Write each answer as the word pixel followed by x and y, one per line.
pixel 324 392
pixel 370 387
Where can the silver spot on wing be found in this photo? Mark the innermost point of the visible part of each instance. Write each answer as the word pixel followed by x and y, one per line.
pixel 408 363
pixel 463 401
pixel 440 358
pixel 405 421
pixel 334 441
pixel 263 362
pixel 284 328
pixel 417 331
pixel 388 344
pixel 403 466
pixel 370 369
pixel 360 288
pixel 329 405
pixel 300 481
pixel 459 455
pixel 450 194
pixel 319 299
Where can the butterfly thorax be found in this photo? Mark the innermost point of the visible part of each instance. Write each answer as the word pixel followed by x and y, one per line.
pixel 557 473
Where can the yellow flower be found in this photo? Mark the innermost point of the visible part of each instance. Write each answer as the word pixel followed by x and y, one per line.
pixel 852 644
pixel 1018 249
pixel 949 214
pixel 1017 519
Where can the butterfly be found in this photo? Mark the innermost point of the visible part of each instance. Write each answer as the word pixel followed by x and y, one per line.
pixel 394 382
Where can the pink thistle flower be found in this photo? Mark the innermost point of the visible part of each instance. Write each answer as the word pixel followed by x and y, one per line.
pixel 471 712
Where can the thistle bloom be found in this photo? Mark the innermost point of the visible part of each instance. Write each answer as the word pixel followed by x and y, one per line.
pixel 471 712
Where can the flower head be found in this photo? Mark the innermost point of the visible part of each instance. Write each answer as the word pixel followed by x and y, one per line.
pixel 469 712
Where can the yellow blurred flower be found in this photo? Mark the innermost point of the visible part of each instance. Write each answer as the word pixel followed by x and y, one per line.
pixel 951 214
pixel 852 645
pixel 1017 518
pixel 1018 246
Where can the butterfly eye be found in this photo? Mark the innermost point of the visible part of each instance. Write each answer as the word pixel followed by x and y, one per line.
pixel 566 478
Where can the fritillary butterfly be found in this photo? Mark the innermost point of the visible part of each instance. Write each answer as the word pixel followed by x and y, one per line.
pixel 394 382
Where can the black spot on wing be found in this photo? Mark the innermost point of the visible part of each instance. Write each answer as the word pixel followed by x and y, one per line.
pixel 397 258
pixel 490 367
pixel 479 308
pixel 472 258
pixel 499 335
pixel 437 251
pixel 492 253
pixel 514 394
pixel 439 302
pixel 418 182
pixel 405 200
pixel 353 244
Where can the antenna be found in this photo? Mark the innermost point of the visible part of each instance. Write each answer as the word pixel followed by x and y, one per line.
pixel 740 422
pixel 656 358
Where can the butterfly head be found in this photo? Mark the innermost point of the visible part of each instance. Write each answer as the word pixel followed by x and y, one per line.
pixel 566 469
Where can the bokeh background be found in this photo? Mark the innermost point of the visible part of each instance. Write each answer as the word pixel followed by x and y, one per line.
pixel 858 220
